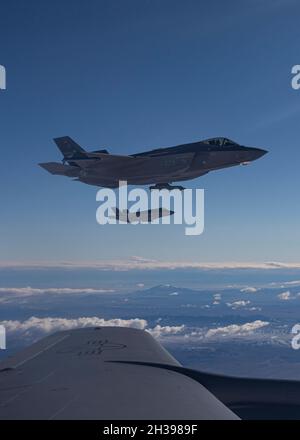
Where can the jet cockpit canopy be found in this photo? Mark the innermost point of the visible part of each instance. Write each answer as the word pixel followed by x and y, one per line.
pixel 220 142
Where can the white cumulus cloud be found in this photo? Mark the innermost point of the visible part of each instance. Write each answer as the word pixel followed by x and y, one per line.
pixel 238 304
pixel 285 296
pixel 236 329
pixel 158 331
pixel 249 289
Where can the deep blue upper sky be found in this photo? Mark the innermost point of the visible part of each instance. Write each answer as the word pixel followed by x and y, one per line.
pixel 133 74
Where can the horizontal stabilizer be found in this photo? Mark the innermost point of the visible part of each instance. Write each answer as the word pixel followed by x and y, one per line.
pixel 101 151
pixel 60 169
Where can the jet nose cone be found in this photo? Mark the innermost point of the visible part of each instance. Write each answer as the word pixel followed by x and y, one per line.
pixel 256 153
pixel 261 152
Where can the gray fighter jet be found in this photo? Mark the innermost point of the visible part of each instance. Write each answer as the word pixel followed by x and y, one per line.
pixel 158 167
pixel 146 216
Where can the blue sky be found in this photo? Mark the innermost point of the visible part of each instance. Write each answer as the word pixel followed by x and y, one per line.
pixel 128 75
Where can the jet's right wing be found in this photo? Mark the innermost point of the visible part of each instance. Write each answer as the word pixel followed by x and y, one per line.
pixel 115 373
pixel 102 373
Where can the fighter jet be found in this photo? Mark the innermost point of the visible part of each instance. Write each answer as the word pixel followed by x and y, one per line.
pixel 159 167
pixel 124 215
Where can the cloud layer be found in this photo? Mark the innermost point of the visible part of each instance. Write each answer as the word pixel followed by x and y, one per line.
pixel 58 290
pixel 22 294
pixel 35 328
pixel 136 262
pixel 38 327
